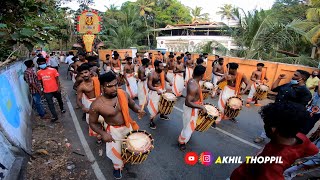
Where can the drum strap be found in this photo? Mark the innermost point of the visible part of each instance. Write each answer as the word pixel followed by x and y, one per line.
pixel 238 82
pixel 200 94
pixel 96 85
pixel 123 100
pixel 162 80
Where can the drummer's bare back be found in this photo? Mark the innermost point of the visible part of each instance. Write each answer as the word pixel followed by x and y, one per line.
pixel 87 88
pixel 190 63
pixel 179 67
pixel 218 68
pixel 155 77
pixel 129 68
pixel 194 87
pixel 115 63
pixel 256 75
pixel 170 64
pixel 109 109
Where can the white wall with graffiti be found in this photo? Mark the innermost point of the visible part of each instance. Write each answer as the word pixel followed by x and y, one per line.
pixel 15 106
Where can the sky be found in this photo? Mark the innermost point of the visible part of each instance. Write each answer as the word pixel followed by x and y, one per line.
pixel 209 6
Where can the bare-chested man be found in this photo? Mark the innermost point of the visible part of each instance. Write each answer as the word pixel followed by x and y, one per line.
pixel 258 77
pixel 192 105
pixel 152 60
pixel 218 70
pixel 189 68
pixel 170 67
pixel 82 59
pixel 131 81
pixel 137 62
pixel 233 87
pixel 142 83
pixel 113 106
pixel 115 63
pixel 178 80
pixel 107 64
pixel 156 85
pixel 87 92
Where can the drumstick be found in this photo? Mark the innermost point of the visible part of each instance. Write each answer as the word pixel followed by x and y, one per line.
pixel 125 139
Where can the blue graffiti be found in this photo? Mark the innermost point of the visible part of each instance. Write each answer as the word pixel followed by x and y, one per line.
pixel 8 104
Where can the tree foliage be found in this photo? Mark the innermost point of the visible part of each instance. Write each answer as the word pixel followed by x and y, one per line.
pixel 28 23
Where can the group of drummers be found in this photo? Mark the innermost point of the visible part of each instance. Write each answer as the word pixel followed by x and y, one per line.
pixel 157 82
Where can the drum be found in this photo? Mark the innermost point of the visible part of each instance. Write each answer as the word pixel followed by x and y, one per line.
pixel 136 150
pixel 207 86
pixel 205 121
pixel 233 107
pixel 166 103
pixel 120 77
pixel 261 92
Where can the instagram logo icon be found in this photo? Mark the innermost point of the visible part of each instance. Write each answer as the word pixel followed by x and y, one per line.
pixel 206 158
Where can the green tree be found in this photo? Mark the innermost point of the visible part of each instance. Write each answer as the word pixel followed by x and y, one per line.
pixel 27 23
pixel 145 8
pixel 197 14
pixel 226 12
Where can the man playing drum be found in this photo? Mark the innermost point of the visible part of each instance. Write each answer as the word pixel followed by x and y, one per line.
pixel 87 92
pixel 142 83
pixel 258 77
pixel 178 80
pixel 170 66
pixel 113 106
pixel 131 81
pixel 107 64
pixel 233 87
pixel 156 85
pixel 192 105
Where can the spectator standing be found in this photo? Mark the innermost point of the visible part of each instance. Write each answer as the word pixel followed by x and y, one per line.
pixel 49 78
pixel 34 87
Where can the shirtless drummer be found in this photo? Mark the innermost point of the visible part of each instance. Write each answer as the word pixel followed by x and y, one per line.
pixel 156 85
pixel 113 106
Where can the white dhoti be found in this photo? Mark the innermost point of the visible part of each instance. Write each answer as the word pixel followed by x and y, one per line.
pixel 215 79
pixel 132 89
pixel 74 77
pixel 178 84
pixel 113 149
pixel 189 73
pixel 190 116
pixel 87 103
pixel 252 92
pixel 142 92
pixel 224 96
pixel 153 102
pixel 170 77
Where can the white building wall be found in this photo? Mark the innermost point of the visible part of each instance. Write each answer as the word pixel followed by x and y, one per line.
pixel 191 43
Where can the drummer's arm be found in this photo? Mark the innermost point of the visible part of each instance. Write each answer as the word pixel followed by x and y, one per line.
pixel 245 80
pixel 94 124
pixel 253 77
pixel 132 105
pixel 222 79
pixel 79 97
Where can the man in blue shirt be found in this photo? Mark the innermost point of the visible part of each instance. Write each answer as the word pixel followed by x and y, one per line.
pixel 294 91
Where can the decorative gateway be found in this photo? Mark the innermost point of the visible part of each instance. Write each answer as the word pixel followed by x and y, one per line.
pixel 88 25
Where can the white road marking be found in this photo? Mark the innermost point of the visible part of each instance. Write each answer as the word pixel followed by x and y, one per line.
pixel 84 143
pixel 229 134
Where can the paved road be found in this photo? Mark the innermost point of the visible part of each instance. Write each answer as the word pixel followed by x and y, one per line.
pixel 166 161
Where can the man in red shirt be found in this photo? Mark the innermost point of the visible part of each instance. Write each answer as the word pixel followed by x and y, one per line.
pixel 282 122
pixel 49 78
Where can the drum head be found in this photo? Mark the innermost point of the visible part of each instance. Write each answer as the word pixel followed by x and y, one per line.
pixel 211 110
pixel 169 96
pixel 208 85
pixel 235 103
pixel 139 143
pixel 263 87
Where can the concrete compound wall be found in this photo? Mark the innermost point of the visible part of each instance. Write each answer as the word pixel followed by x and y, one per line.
pixel 15 115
